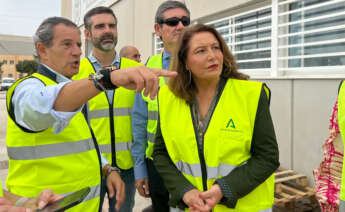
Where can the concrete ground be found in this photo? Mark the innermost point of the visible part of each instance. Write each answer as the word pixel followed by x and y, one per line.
pixel 140 202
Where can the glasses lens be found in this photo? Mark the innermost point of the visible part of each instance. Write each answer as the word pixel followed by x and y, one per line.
pixel 185 21
pixel 174 21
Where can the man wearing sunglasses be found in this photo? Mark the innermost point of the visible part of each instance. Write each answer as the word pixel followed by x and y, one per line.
pixel 171 18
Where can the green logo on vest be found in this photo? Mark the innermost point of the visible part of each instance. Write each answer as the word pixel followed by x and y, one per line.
pixel 231 124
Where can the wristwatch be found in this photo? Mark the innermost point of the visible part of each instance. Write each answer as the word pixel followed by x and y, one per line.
pixel 111 169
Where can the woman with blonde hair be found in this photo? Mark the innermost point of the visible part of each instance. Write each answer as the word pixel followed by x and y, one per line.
pixel 215 145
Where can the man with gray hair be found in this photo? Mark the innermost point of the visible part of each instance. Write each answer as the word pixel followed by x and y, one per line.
pixel 49 142
pixel 171 18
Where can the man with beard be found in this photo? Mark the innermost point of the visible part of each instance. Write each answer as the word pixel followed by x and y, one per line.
pixel 109 114
pixel 170 19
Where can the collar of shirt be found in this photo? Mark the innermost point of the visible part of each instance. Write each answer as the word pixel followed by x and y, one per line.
pixel 97 65
pixel 59 77
pixel 166 60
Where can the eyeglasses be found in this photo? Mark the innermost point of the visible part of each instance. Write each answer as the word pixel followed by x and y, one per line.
pixel 174 21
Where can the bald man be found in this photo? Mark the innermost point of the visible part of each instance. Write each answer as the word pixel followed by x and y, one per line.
pixel 130 52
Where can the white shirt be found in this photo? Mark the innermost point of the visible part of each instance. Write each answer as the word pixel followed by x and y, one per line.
pixel 36 102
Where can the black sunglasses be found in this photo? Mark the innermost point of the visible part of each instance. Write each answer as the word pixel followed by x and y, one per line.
pixel 174 21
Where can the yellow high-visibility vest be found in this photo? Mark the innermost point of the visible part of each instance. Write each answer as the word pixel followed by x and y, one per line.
pixel 155 61
pixel 1 189
pixel 341 123
pixel 111 123
pixel 227 141
pixel 65 162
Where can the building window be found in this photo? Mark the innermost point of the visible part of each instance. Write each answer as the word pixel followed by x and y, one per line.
pixel 11 62
pixel 10 75
pixel 158 45
pixel 288 37
pixel 248 36
pixel 88 47
pixel 4 62
pixel 311 36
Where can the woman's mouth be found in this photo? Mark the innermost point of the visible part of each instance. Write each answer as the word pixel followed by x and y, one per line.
pixel 213 66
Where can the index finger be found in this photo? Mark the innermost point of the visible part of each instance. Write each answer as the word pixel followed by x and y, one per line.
pixel 163 72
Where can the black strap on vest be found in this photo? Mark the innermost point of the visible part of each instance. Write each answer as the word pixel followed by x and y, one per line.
pixel 341 82
pixel 111 120
pixel 46 72
pixel 148 59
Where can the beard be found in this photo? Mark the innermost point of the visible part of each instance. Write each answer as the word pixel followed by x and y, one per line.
pixel 103 45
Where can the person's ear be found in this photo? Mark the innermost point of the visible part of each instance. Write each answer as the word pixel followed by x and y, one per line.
pixel 87 34
pixel 158 29
pixel 41 50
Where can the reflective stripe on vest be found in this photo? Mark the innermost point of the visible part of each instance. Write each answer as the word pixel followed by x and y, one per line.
pixel 212 172
pixel 226 146
pixel 98 115
pixel 65 162
pixel 155 61
pixel 49 150
pixel 153 115
pixel 95 191
pixel 341 122
pixel 124 146
pixel 104 113
pixel 151 137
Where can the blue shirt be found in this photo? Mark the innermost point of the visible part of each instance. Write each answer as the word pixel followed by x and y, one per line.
pixel 139 125
pixel 97 66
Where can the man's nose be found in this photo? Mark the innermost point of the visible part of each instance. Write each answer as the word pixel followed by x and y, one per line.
pixel 180 25
pixel 107 28
pixel 77 50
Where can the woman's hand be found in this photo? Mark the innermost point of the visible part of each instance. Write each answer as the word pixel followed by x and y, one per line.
pixel 193 200
pixel 209 198
pixel 212 196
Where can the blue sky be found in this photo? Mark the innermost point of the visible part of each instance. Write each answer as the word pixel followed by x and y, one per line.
pixel 22 17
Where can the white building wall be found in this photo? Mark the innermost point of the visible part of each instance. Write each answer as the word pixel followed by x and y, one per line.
pixel 301 111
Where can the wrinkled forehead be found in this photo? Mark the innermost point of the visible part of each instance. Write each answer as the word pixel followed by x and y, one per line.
pixel 65 32
pixel 175 12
